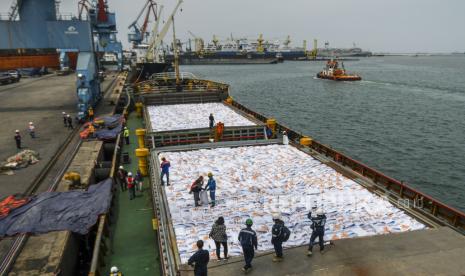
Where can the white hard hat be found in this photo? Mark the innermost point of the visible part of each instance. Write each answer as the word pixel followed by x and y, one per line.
pixel 129 173
pixel 17 130
pixel 276 216
pixel 121 167
pixel 113 269
pixel 63 113
pixel 30 123
pixel 68 115
pixel 320 212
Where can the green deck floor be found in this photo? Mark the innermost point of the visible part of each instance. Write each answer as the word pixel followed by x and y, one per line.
pixel 134 249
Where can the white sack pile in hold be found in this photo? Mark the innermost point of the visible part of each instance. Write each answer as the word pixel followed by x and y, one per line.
pixel 257 181
pixel 190 116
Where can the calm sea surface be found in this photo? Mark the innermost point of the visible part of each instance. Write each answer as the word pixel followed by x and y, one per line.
pixel 406 118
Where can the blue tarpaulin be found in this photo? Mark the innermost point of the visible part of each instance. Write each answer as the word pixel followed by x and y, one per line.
pixel 75 211
pixel 113 127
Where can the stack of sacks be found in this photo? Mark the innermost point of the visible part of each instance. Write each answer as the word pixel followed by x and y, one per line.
pixel 191 116
pixel 257 181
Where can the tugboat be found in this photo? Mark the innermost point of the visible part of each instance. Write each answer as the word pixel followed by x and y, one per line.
pixel 333 72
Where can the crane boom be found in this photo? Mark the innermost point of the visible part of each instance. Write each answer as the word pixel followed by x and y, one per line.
pixel 134 23
pixel 156 41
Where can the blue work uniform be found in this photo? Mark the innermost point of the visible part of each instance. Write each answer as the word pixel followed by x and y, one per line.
pixel 318 226
pixel 200 261
pixel 165 170
pixel 276 238
pixel 211 186
pixel 248 239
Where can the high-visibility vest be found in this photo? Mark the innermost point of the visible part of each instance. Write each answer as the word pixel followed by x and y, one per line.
pixel 126 133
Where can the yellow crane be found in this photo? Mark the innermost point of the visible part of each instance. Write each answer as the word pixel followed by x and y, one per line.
pixel 314 52
pixel 260 40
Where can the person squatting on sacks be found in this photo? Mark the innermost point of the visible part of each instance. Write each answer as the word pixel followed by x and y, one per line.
pixel 279 234
pixel 211 186
pixel 165 170
pixel 121 175
pixel 248 239
pixel 219 236
pixel 196 187
pixel 200 260
pixel 318 227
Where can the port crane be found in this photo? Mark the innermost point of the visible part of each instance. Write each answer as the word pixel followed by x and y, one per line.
pixel 139 33
pixel 29 20
pixel 199 43
pixel 104 30
pixel 156 40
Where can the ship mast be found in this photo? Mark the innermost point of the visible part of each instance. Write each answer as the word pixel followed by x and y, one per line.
pixel 176 57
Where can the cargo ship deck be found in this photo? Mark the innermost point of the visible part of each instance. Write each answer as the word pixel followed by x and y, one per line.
pixel 394 250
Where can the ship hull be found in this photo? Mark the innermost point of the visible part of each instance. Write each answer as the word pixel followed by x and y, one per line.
pixel 339 78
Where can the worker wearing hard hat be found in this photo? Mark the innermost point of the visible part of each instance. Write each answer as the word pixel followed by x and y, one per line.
pixel 318 227
pixel 65 120
pixel 18 139
pixel 131 186
pixel 69 120
pixel 126 135
pixel 211 186
pixel 114 271
pixel 90 113
pixel 279 234
pixel 121 175
pixel 248 239
pixel 32 130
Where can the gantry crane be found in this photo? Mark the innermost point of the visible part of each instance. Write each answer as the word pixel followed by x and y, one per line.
pixel 103 27
pixel 39 28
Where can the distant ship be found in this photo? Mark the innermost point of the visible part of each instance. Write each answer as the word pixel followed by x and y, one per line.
pixel 343 52
pixel 334 72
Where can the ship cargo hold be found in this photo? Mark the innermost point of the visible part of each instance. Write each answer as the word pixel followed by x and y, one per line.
pixel 258 176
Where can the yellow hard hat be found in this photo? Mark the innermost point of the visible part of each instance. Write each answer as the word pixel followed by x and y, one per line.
pixel 210 174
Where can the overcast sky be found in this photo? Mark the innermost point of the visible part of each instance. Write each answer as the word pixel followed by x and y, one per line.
pixel 376 25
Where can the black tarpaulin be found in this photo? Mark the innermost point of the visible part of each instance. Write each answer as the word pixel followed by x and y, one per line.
pixel 76 211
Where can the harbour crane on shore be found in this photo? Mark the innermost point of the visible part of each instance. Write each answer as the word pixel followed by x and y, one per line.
pixel 39 27
pixel 139 33
pixel 199 43
pixel 104 29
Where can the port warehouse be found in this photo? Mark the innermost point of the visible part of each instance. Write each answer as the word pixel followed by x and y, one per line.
pixel 420 206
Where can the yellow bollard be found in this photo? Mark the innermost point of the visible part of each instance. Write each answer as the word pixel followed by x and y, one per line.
pixel 142 154
pixel 139 106
pixel 229 100
pixel 271 124
pixel 306 141
pixel 140 133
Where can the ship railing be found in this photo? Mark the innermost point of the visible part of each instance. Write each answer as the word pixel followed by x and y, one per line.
pixel 180 88
pixel 432 208
pixel 103 234
pixel 169 255
pixel 5 16
pixel 66 17
pixel 172 75
pixel 204 135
